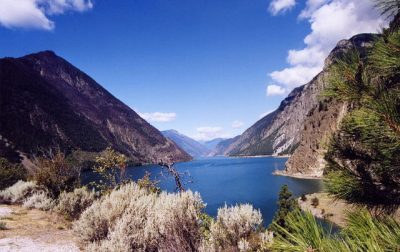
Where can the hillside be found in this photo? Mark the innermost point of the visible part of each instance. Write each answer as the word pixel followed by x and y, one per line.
pixel 219 149
pixel 45 102
pixel 280 132
pixel 191 146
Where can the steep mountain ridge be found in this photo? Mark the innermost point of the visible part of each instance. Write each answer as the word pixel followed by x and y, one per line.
pixel 191 146
pixel 280 132
pixel 46 101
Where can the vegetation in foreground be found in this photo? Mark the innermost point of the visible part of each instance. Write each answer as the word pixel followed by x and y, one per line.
pixel 363 170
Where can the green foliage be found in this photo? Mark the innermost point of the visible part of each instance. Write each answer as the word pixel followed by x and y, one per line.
pixel 3 226
pixel 364 155
pixel 315 201
pixel 56 175
pixel 287 203
pixel 148 185
pixel 112 169
pixel 10 173
pixel 388 7
pixel 362 233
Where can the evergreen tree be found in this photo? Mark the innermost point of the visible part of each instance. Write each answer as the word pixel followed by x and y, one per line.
pixel 364 155
pixel 287 203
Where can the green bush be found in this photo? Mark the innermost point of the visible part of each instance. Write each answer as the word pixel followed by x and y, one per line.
pixel 3 226
pixel 10 173
pixel 315 201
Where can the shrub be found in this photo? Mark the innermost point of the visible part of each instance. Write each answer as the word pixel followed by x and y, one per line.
pixel 3 226
pixel 39 200
pixel 315 201
pixel 73 204
pixel 235 224
pixel 18 192
pixel 10 173
pixel 56 175
pixel 131 219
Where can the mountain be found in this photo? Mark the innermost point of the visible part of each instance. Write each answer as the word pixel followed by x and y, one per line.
pixel 280 132
pixel 188 144
pixel 212 143
pixel 45 101
pixel 219 150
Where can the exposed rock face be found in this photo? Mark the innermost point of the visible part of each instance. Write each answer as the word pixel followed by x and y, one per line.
pixel 278 132
pixel 320 124
pixel 46 101
pixel 293 129
pixel 191 146
pixel 322 121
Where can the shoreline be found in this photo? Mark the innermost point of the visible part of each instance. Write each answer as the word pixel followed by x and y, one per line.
pixel 299 176
pixel 260 156
pixel 328 208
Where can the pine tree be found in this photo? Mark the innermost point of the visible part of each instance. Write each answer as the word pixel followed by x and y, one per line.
pixel 287 203
pixel 364 155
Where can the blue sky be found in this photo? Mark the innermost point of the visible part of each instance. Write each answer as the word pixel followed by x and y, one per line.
pixel 207 68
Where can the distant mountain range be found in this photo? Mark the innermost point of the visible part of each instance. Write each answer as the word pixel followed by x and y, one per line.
pixel 211 144
pixel 188 144
pixel 45 101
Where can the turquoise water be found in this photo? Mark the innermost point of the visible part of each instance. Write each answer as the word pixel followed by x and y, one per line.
pixel 222 180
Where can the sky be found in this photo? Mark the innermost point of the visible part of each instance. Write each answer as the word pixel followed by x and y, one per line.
pixel 206 68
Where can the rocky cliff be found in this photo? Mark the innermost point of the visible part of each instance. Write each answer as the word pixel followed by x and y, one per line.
pixel 322 120
pixel 301 124
pixel 46 101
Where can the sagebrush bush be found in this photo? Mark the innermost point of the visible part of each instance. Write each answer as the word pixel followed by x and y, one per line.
pixel 72 204
pixel 131 219
pixel 234 224
pixel 39 200
pixel 20 191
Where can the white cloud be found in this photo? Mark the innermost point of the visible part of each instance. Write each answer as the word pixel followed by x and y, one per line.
pixel 266 113
pixel 281 6
pixel 210 133
pixel 158 117
pixel 33 14
pixel 237 124
pixel 331 21
pixel 273 90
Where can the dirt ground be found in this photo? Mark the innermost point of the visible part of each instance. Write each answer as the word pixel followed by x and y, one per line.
pixel 328 208
pixel 34 230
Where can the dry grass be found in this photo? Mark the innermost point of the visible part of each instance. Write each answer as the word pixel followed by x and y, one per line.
pixel 46 229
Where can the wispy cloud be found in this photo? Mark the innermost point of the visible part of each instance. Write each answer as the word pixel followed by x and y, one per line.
pixel 237 124
pixel 331 21
pixel 210 133
pixel 273 90
pixel 34 14
pixel 158 117
pixel 281 6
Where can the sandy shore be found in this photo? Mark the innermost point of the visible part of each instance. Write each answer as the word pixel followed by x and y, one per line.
pixel 328 208
pixel 296 175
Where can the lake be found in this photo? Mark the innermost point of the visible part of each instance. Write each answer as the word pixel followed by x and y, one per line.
pixel 221 180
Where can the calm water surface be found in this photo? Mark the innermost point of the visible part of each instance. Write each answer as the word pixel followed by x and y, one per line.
pixel 222 180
